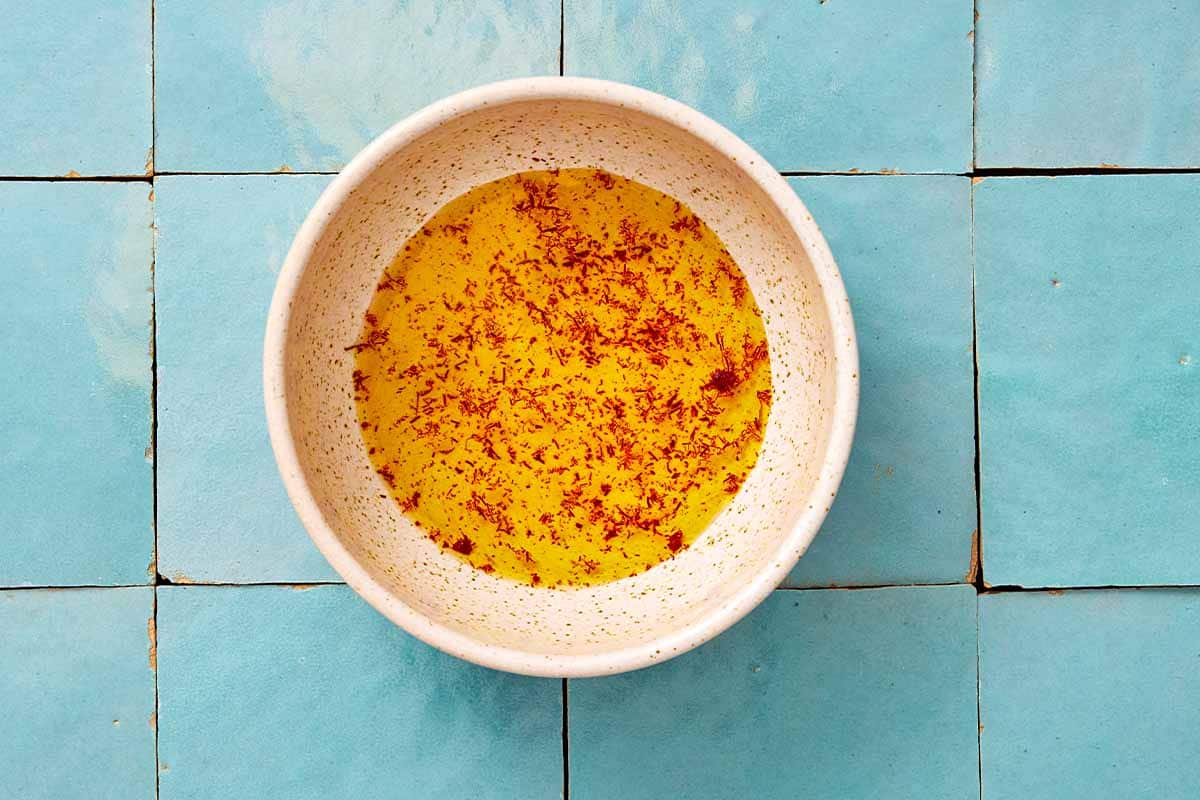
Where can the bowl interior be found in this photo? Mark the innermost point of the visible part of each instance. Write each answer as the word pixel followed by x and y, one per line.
pixel 756 532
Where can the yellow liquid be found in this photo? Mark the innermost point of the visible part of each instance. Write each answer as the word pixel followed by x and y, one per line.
pixel 563 377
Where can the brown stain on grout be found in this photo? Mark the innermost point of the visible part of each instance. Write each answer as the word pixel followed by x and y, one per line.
pixel 152 632
pixel 973 570
pixel 72 174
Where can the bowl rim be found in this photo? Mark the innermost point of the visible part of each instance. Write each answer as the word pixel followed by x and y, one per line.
pixel 844 346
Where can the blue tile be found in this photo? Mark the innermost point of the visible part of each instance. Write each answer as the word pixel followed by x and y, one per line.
pixel 76 497
pixel 1090 694
pixel 223 514
pixel 268 691
pixel 828 693
pixel 306 83
pixel 75 78
pixel 905 512
pixel 1087 83
pixel 77 694
pixel 1089 374
pixel 832 86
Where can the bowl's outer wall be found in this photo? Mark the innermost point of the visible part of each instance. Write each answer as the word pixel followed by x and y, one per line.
pixel 353 233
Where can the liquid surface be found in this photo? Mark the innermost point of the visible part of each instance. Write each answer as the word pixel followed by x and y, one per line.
pixel 563 377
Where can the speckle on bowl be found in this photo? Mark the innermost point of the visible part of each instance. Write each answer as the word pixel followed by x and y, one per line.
pixel 327 282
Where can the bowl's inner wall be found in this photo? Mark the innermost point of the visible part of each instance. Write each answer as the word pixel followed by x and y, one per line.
pixel 337 286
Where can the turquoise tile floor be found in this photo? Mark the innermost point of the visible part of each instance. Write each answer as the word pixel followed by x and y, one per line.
pixel 1011 190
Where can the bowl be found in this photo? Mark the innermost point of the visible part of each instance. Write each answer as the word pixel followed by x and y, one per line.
pixel 362 220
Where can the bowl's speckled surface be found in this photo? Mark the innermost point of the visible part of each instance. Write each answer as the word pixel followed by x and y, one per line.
pixel 328 279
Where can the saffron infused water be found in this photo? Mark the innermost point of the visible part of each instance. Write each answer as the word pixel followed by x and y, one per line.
pixel 563 377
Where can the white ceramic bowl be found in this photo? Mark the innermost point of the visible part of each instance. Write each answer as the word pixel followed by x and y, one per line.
pixel 362 220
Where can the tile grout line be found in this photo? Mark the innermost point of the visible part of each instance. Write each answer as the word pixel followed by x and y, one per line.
pixel 154 453
pixel 1113 587
pixel 860 173
pixel 867 587
pixel 566 771
pixel 1058 172
pixel 154 378
pixel 977 550
pixel 144 178
pixel 157 700
pixel 974 85
pixel 153 97
pixel 153 313
pixel 164 581
pixel 173 172
pixel 976 570
pixel 562 37
pixel 978 700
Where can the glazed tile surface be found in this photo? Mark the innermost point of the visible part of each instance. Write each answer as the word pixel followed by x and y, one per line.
pixel 1089 338
pixel 772 708
pixel 75 78
pixel 1090 694
pixel 885 86
pixel 76 422
pixel 1073 405
pixel 1087 84
pixel 221 241
pixel 906 508
pixel 305 84
pixel 270 691
pixel 77 694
